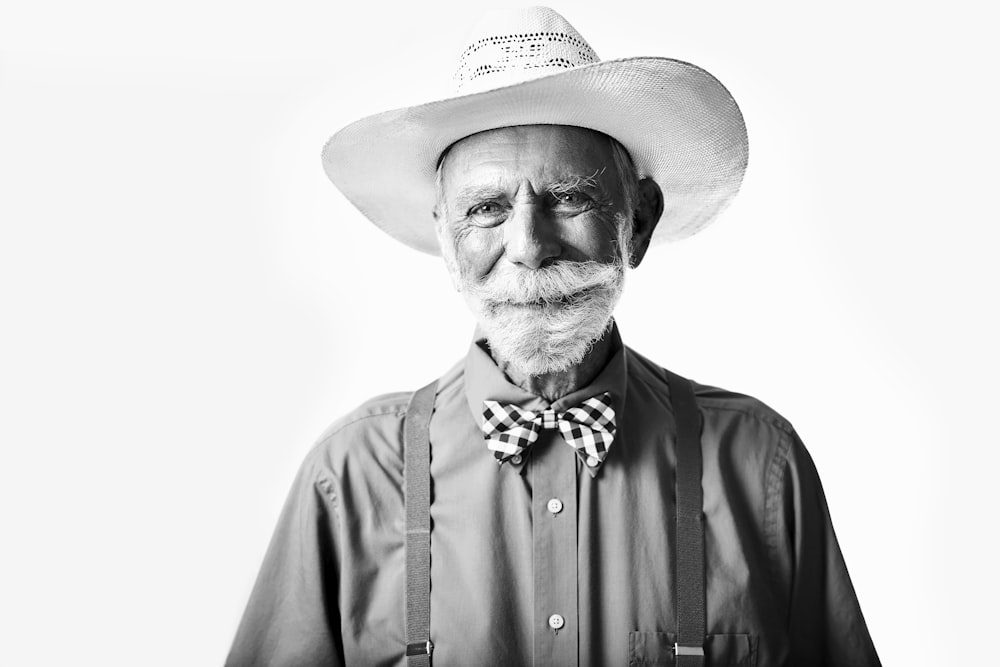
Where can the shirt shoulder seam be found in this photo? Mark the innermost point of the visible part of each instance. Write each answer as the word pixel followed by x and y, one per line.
pixel 765 415
pixel 777 422
pixel 395 411
pixel 326 481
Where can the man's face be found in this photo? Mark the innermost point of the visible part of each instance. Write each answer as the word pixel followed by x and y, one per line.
pixel 532 226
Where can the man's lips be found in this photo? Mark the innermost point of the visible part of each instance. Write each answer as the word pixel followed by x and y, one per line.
pixel 540 303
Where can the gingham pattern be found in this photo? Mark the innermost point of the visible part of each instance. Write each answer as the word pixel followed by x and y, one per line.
pixel 589 427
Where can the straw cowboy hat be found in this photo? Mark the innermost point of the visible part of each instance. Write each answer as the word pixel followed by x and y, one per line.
pixel 530 66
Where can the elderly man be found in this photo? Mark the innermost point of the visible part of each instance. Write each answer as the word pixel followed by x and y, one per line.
pixel 555 498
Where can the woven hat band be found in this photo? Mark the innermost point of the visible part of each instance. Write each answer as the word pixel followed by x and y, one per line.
pixel 530 43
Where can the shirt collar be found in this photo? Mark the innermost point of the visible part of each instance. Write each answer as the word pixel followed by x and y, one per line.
pixel 484 380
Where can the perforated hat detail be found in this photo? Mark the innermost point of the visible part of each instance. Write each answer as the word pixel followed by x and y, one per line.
pixel 530 66
pixel 543 52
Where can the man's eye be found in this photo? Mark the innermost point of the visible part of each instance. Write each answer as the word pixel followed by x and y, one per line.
pixel 489 208
pixel 487 214
pixel 573 200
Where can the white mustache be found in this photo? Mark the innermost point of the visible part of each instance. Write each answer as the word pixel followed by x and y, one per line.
pixel 551 284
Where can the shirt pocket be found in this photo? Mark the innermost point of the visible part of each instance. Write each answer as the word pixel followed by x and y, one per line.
pixel 657 648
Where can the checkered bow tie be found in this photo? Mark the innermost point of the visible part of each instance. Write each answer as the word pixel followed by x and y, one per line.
pixel 589 427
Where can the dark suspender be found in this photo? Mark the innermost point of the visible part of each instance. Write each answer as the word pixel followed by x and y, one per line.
pixel 690 557
pixel 417 497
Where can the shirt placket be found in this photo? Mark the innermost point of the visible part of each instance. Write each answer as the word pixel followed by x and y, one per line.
pixel 554 533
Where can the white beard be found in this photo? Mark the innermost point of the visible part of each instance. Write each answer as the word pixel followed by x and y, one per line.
pixel 544 320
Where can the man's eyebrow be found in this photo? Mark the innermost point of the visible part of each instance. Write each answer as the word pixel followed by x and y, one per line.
pixel 480 192
pixel 576 183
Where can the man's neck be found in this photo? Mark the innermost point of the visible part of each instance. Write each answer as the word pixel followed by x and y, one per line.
pixel 553 386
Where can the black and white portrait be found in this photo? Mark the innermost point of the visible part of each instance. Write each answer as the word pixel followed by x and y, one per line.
pixel 702 298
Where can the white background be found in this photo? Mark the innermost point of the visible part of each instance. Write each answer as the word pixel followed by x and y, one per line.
pixel 186 301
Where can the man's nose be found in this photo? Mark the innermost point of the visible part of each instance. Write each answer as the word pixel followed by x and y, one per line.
pixel 530 236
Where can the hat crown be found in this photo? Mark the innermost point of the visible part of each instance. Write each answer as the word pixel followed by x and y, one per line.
pixel 513 45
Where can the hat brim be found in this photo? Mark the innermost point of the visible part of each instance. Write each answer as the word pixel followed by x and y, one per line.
pixel 678 122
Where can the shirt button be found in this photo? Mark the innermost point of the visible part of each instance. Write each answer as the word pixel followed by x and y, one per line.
pixel 516 459
pixel 555 506
pixel 556 621
pixel 593 461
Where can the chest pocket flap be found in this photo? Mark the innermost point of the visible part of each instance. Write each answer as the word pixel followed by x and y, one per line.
pixel 657 648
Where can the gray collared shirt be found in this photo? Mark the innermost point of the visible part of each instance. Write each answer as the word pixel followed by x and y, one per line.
pixel 541 563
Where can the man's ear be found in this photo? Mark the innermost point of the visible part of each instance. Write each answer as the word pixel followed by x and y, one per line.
pixel 648 209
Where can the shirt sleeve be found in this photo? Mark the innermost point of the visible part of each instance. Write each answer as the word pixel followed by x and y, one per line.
pixel 292 618
pixel 826 626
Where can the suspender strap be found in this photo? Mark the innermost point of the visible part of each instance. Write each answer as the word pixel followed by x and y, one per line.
pixel 690 557
pixel 417 498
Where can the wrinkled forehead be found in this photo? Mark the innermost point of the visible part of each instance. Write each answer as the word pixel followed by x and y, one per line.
pixel 553 151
